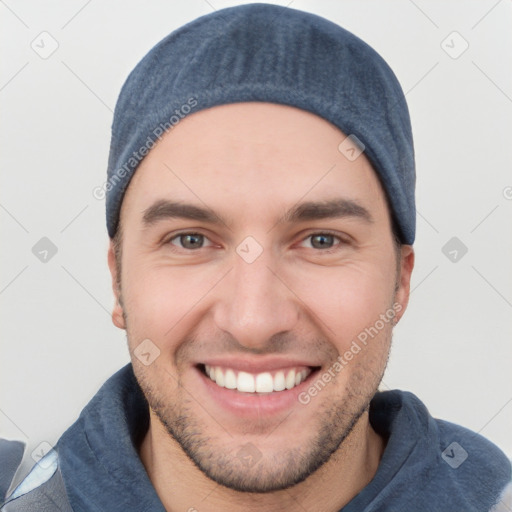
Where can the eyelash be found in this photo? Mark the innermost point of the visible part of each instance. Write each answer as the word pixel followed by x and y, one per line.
pixel 184 233
pixel 340 241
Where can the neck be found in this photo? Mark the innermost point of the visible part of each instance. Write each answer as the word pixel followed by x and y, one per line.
pixel 180 485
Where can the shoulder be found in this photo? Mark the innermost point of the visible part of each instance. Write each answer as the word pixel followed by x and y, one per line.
pixel 470 468
pixel 473 463
pixel 438 462
pixel 457 447
pixel 505 502
pixel 459 444
pixel 42 490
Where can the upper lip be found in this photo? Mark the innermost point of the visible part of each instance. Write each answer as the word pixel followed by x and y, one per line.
pixel 258 365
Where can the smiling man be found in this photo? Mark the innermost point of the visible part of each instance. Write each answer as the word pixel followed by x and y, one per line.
pixel 260 204
pixel 240 335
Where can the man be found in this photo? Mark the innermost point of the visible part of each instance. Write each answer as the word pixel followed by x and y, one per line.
pixel 260 204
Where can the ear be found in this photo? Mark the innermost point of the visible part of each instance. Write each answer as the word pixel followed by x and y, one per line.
pixel 404 282
pixel 117 311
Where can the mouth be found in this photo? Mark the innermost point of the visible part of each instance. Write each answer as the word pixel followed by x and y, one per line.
pixel 261 383
pixel 257 388
pixel 247 386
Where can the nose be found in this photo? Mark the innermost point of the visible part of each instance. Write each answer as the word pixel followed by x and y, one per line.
pixel 255 303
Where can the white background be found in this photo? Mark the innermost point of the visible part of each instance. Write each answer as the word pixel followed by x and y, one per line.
pixel 58 345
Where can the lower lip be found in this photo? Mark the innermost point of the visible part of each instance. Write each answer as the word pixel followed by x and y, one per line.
pixel 254 404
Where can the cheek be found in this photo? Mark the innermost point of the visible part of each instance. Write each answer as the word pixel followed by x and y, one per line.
pixel 161 300
pixel 346 299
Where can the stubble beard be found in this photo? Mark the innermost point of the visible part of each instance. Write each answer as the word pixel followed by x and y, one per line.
pixel 220 460
pixel 279 470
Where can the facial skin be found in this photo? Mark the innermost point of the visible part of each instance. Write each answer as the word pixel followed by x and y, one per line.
pixel 300 303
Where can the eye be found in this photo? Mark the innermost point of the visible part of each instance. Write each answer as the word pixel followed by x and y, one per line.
pixel 322 241
pixel 190 241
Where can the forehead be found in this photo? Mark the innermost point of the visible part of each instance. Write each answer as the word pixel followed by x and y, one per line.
pixel 255 159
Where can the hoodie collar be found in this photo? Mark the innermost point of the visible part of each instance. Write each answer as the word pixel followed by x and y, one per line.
pixel 99 461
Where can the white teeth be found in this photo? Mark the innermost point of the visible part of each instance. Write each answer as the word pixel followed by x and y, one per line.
pixel 263 382
pixel 219 377
pixel 279 382
pixel 290 379
pixel 230 379
pixel 245 382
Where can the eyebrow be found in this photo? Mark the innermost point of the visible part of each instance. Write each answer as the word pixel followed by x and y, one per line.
pixel 307 211
pixel 335 209
pixel 164 209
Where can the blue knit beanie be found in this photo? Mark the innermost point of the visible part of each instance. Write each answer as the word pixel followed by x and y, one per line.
pixel 263 52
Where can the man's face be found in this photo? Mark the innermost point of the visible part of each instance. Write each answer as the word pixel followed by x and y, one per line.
pixel 255 251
